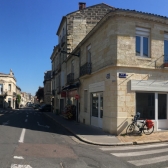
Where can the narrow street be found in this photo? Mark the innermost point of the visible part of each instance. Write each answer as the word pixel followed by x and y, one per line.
pixel 28 140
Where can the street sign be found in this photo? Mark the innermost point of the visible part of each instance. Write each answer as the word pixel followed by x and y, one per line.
pixel 77 96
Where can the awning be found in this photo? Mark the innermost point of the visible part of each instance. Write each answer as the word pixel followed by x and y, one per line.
pixel 72 86
pixel 149 85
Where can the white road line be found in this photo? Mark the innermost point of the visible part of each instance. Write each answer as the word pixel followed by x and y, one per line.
pixel 149 161
pixel 20 166
pixel 22 135
pixel 127 154
pixel 26 120
pixel 133 147
pixel 27 116
pixel 18 157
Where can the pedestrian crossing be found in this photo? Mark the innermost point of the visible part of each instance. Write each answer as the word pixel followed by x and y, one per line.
pixel 141 155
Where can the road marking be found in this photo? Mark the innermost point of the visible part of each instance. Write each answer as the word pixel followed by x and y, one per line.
pixel 26 120
pixel 149 161
pixel 27 116
pixel 127 154
pixel 133 147
pixel 43 125
pixel 20 166
pixel 18 157
pixel 22 135
pixel 6 123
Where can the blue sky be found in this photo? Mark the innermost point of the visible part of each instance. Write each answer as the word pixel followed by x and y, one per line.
pixel 28 33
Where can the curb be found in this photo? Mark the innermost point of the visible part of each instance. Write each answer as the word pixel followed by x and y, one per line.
pixel 106 144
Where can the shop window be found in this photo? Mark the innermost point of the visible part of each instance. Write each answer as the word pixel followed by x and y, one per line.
pixel 94 105
pixel 142 42
pixel 85 100
pixel 145 104
pixel 162 107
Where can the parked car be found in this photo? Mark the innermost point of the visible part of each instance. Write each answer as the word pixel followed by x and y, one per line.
pixel 36 106
pixel 45 108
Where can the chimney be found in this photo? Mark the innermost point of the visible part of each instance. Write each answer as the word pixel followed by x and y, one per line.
pixel 82 5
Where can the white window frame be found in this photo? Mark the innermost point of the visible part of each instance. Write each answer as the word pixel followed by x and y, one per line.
pixel 143 32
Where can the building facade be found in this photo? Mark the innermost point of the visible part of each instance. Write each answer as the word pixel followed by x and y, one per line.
pixel 122 70
pixel 73 28
pixel 7 90
pixel 47 87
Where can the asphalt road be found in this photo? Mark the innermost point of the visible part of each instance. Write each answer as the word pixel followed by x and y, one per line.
pixel 30 140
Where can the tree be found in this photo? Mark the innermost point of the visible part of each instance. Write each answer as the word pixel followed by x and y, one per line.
pixel 40 94
pixel 18 98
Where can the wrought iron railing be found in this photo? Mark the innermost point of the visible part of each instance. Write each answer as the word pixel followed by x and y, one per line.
pixel 86 69
pixel 70 78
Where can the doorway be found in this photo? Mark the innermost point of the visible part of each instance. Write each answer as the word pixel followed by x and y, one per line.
pixel 97 109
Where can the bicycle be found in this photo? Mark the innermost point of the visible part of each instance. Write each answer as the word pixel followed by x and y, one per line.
pixel 147 126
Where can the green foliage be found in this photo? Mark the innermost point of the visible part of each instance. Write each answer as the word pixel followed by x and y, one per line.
pixel 18 98
pixel 40 93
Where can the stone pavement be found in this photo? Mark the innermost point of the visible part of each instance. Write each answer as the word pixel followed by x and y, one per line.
pixel 96 136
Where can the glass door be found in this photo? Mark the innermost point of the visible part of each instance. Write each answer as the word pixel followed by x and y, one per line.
pixel 97 109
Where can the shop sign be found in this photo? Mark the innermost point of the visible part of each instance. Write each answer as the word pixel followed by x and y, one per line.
pixel 63 94
pixel 122 75
pixel 72 93
pixel 76 96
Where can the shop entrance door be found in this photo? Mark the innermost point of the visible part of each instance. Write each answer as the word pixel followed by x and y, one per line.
pixel 97 109
pixel 162 111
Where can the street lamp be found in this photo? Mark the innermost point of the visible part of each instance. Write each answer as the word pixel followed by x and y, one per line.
pixel 77 55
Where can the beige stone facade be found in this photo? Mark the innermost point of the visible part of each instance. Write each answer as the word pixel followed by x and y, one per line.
pixel 47 87
pixel 122 62
pixel 7 90
pixel 113 43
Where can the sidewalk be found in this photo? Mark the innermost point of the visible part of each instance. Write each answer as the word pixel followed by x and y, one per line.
pixel 96 136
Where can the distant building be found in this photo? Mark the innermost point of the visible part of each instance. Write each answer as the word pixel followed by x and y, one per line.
pixel 47 87
pixel 7 90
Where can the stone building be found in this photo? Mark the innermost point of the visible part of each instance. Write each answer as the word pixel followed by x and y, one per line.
pixel 122 68
pixel 47 87
pixel 7 90
pixel 72 29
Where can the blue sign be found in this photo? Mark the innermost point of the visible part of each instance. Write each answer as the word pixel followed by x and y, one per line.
pixel 122 75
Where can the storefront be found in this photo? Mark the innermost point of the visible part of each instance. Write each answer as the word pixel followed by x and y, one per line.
pixel 152 101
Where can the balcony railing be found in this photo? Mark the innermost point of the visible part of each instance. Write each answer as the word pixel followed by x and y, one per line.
pixel 86 69
pixel 70 78
pixel 3 93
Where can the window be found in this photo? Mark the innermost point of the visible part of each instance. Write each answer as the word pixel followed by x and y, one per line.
pixel 145 104
pixel 88 54
pixel 85 100
pixel 166 48
pixel 72 66
pixel 9 87
pixel 142 42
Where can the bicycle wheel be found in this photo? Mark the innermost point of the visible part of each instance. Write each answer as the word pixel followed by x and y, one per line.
pixel 130 129
pixel 147 131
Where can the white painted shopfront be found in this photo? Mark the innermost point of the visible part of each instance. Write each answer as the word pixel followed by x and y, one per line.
pixel 152 101
pixel 96 94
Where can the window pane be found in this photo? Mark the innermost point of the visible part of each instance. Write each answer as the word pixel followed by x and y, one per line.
pixel 162 108
pixel 101 105
pixel 145 46
pixel 94 105
pixel 138 45
pixel 166 50
pixel 145 104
